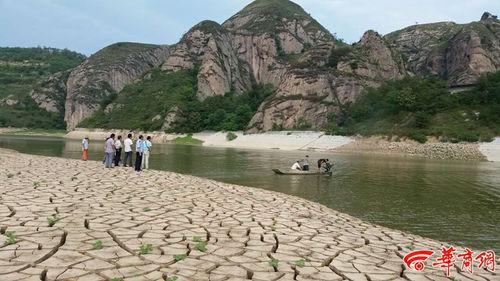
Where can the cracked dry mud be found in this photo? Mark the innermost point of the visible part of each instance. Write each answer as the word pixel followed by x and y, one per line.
pixel 250 234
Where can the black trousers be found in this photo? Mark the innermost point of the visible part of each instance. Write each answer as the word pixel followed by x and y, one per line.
pixel 127 161
pixel 118 156
pixel 138 161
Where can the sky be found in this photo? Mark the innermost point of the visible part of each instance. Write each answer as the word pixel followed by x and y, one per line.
pixel 89 25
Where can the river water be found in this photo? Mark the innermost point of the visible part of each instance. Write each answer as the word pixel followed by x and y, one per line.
pixel 452 201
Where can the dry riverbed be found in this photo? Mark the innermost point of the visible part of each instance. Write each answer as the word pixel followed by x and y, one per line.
pixel 71 220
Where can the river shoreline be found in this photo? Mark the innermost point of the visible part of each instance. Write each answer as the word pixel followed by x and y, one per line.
pixel 247 233
pixel 306 141
pixel 318 141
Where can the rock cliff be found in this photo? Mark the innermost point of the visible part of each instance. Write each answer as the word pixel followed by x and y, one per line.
pixel 276 42
pixel 104 74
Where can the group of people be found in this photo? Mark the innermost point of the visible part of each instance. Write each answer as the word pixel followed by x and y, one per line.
pixel 324 165
pixel 113 147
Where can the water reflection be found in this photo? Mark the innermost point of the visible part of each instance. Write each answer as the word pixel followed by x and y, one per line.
pixel 447 200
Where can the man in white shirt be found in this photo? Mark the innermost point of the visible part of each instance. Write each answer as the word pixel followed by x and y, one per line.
pixel 127 147
pixel 296 166
pixel 118 150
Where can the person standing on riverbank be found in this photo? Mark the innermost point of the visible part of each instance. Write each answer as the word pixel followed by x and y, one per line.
pixel 127 147
pixel 85 149
pixel 138 153
pixel 118 150
pixel 109 150
pixel 146 149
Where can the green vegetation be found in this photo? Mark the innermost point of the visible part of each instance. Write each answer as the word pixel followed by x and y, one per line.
pixel 145 249
pixel 274 11
pixel 337 54
pixel 38 132
pixel 146 209
pixel 10 238
pixel 201 246
pixel 119 52
pixel 231 136
pixel 417 107
pixel 36 184
pixel 189 140
pixel 180 257
pixel 197 239
pixel 97 245
pixel 52 220
pixel 300 263
pixel 116 279
pixel 144 105
pixel 21 69
pixel 274 263
pixel 172 278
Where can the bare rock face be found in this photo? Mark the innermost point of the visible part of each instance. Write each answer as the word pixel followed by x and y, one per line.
pixel 373 58
pixel 457 53
pixel 208 46
pixel 105 74
pixel 305 98
pixel 50 94
pixel 172 116
pixel 472 52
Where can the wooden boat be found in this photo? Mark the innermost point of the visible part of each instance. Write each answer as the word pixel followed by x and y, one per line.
pixel 300 173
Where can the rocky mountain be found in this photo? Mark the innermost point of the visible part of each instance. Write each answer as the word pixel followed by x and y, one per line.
pixel 277 43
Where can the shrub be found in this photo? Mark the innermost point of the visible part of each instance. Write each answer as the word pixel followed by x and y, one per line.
pixel 336 55
pixel 418 136
pixel 231 136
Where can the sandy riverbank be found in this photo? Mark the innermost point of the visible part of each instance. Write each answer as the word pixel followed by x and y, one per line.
pixel 191 228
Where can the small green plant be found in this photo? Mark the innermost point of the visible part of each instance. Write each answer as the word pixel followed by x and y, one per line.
pixel 300 263
pixel 231 136
pixel 274 263
pixel 52 220
pixel 189 140
pixel 171 278
pixel 201 246
pixel 145 249
pixel 97 245
pixel 197 239
pixel 180 257
pixel 146 209
pixel 11 238
pixel 10 175
pixel 116 279
pixel 411 246
pixel 36 184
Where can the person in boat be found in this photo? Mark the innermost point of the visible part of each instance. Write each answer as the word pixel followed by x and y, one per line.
pixel 296 166
pixel 305 163
pixel 324 165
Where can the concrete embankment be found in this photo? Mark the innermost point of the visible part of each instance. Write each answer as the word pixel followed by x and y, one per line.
pixel 491 150
pixel 75 220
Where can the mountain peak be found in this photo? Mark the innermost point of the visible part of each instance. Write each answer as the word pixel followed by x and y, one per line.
pixel 270 16
pixel 280 8
pixel 488 16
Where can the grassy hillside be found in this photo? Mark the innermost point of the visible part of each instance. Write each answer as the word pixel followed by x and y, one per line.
pixel 144 105
pixel 20 70
pixel 419 107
